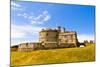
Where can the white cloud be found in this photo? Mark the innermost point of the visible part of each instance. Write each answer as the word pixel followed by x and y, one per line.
pixel 16 8
pixel 39 19
pixel 22 31
pixel 25 15
pixel 19 41
pixel 15 4
pixel 83 37
pixel 17 33
pixel 47 18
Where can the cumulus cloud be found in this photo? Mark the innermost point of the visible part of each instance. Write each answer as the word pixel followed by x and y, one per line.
pixel 83 37
pixel 39 19
pixel 22 31
pixel 25 15
pixel 16 6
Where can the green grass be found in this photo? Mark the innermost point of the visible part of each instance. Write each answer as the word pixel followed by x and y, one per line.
pixel 54 56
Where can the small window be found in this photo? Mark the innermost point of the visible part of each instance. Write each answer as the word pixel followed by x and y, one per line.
pixel 60 40
pixel 46 34
pixel 65 36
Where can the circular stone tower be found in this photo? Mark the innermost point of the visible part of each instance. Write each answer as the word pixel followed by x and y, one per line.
pixel 48 35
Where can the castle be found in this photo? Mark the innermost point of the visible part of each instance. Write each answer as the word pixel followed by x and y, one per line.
pixel 51 39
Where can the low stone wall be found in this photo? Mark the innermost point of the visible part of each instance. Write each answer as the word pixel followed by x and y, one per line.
pixel 47 45
pixel 29 46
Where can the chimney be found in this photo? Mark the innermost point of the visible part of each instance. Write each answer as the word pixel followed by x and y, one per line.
pixel 59 28
pixel 64 29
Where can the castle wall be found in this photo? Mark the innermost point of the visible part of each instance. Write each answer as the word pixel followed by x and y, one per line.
pixel 68 37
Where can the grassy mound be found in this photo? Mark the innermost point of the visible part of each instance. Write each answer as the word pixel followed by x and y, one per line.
pixel 54 56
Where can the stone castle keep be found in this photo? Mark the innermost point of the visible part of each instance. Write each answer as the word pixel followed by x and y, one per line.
pixel 51 39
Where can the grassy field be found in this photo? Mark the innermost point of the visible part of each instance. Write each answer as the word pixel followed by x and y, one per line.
pixel 54 56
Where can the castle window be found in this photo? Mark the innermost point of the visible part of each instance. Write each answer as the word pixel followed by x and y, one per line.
pixel 26 44
pixel 59 40
pixel 46 34
pixel 65 36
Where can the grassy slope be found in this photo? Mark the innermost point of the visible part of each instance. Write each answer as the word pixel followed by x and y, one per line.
pixel 53 56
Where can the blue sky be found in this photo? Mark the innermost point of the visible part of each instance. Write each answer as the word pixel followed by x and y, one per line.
pixel 28 18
